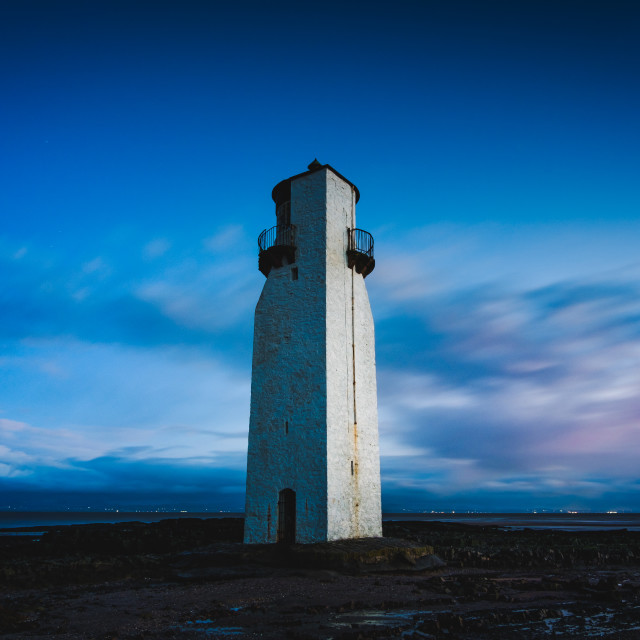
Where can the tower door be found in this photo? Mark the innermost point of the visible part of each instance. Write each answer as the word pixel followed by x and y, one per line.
pixel 287 516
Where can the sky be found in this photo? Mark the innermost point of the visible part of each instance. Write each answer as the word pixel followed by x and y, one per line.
pixel 496 149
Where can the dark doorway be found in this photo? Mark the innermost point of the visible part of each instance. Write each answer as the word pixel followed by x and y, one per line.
pixel 287 516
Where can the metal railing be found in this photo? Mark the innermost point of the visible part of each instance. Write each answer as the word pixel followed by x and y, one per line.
pixel 279 236
pixel 361 241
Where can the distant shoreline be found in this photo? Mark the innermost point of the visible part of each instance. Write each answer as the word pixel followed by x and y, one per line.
pixel 13 520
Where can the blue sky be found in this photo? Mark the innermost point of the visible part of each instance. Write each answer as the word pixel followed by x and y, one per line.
pixel 495 145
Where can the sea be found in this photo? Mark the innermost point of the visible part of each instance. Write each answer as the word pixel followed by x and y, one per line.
pixel 565 521
pixel 12 520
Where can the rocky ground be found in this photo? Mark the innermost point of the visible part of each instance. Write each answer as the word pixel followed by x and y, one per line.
pixel 195 579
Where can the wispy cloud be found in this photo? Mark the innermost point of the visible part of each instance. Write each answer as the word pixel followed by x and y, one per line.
pixel 226 240
pixel 156 248
pixel 93 372
pixel 540 381
pixel 488 386
pixel 116 297
pixel 120 481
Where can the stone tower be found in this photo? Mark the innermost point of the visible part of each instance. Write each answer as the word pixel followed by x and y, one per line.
pixel 313 468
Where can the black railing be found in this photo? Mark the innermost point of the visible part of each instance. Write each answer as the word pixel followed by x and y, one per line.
pixel 360 251
pixel 278 236
pixel 277 247
pixel 361 241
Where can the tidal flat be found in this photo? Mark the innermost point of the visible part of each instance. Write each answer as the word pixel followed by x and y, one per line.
pixel 193 578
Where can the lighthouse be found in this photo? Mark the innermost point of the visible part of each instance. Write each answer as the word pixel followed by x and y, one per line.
pixel 313 464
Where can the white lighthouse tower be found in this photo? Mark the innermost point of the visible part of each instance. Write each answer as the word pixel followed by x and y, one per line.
pixel 313 468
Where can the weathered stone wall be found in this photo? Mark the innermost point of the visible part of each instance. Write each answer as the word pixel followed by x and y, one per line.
pixel 289 381
pixel 368 454
pixel 303 376
pixel 352 440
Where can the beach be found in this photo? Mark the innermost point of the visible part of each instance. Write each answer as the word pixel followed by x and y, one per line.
pixel 193 578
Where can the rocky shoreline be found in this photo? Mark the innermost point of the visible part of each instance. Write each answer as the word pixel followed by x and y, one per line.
pixel 194 578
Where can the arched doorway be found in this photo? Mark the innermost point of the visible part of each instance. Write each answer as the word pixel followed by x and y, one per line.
pixel 287 516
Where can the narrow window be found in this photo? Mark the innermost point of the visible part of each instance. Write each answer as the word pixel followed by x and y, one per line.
pixel 286 426
pixel 294 273
pixel 352 467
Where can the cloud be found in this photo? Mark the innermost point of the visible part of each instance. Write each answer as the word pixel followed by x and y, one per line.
pixel 11 426
pixel 489 388
pixel 416 263
pixel 100 384
pixel 529 392
pixel 119 481
pixel 133 394
pixel 201 467
pixel 225 239
pixel 156 248
pixel 121 297
pixel 96 266
pixel 213 293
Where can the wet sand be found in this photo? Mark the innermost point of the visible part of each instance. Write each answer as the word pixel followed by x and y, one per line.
pixel 194 579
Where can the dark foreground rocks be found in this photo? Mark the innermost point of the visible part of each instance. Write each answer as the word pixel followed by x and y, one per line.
pixel 195 579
